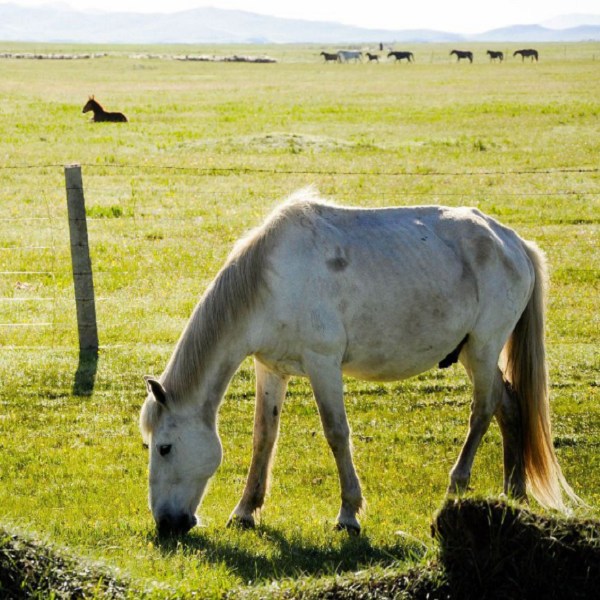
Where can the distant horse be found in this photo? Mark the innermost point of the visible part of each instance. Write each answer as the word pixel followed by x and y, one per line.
pixel 348 55
pixel 329 56
pixel 373 57
pixel 528 52
pixel 398 56
pixel 100 114
pixel 495 55
pixel 460 54
pixel 320 290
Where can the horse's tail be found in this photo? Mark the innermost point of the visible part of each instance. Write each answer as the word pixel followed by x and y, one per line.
pixel 526 371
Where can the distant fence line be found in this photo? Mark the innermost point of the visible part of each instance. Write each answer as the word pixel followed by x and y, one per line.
pixel 211 171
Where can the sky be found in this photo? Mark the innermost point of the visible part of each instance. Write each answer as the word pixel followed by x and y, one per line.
pixel 460 16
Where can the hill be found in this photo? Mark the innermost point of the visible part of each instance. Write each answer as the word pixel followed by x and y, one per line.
pixel 60 23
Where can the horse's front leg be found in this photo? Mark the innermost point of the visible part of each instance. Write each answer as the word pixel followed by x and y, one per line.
pixel 326 379
pixel 270 393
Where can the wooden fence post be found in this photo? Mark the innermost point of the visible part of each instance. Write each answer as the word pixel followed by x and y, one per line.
pixel 80 259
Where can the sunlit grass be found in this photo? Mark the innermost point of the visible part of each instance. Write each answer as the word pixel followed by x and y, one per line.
pixel 208 152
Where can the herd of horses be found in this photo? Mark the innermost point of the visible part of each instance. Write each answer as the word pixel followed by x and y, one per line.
pixel 344 56
pixel 341 56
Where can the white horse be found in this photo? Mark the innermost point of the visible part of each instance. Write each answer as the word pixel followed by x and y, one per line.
pixel 381 294
pixel 348 55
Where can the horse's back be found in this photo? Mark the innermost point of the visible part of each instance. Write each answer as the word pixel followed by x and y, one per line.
pixel 423 245
pixel 110 117
pixel 117 117
pixel 402 236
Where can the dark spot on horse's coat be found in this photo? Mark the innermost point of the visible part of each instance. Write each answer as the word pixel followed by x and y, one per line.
pixel 275 411
pixel 453 356
pixel 339 263
pixel 483 251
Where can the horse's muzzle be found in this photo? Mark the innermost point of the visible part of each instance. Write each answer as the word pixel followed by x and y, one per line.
pixel 169 525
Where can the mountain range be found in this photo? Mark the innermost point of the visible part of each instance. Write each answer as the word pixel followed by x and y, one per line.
pixel 61 23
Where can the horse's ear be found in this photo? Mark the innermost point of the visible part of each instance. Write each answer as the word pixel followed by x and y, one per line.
pixel 156 388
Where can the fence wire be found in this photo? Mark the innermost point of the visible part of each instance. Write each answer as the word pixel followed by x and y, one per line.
pixel 131 231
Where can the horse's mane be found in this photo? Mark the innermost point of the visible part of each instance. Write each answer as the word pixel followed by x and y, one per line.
pixel 233 293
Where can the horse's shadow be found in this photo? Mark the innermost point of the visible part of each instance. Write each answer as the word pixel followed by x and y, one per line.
pixel 293 554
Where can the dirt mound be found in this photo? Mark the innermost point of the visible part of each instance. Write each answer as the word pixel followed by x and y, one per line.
pixel 493 550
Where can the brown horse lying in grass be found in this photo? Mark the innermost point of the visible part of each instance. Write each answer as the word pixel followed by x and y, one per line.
pixel 100 114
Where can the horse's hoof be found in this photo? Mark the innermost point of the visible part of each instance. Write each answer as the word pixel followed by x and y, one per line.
pixel 241 522
pixel 456 490
pixel 350 528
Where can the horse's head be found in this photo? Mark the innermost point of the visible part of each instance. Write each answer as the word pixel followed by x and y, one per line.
pixel 185 451
pixel 89 105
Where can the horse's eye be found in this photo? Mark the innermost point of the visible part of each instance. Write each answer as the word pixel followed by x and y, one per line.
pixel 164 449
pixel 145 446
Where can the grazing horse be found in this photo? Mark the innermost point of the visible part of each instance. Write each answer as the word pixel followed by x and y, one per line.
pixel 495 55
pixel 529 53
pixel 348 55
pixel 100 114
pixel 460 54
pixel 329 56
pixel 321 290
pixel 399 56
pixel 373 57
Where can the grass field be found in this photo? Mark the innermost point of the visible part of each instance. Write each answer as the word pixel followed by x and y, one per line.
pixel 209 150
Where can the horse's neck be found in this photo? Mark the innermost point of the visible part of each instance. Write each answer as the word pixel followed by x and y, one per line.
pixel 205 383
pixel 209 391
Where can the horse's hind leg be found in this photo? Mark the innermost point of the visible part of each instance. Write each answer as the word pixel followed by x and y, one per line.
pixel 270 393
pixel 509 418
pixel 487 393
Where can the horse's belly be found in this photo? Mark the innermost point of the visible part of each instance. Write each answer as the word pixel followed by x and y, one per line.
pixel 398 335
pixel 384 371
pixel 381 361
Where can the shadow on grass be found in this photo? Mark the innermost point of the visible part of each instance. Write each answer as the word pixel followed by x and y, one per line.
pixel 292 556
pixel 85 376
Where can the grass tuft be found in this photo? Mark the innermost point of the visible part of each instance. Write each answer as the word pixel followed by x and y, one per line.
pixel 31 570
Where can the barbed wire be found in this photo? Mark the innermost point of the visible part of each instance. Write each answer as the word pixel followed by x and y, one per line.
pixel 212 171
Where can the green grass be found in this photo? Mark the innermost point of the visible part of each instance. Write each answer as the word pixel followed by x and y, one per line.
pixel 208 152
